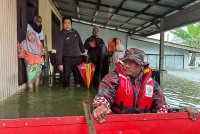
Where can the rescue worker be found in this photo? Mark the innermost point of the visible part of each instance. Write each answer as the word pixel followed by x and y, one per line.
pixel 130 89
pixel 112 44
pixel 68 48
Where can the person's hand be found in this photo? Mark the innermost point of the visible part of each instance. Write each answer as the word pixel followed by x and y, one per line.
pixel 44 52
pixel 100 113
pixel 92 44
pixel 194 112
pixel 18 47
pixel 60 68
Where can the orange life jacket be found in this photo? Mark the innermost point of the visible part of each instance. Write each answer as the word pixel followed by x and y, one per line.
pixel 126 101
pixel 112 43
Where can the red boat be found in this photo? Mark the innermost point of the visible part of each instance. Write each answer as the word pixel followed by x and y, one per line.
pixel 171 123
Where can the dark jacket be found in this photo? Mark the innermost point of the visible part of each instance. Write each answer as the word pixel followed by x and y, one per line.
pixel 68 44
pixel 97 53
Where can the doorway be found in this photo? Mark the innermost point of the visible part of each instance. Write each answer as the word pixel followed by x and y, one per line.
pixel 26 10
pixel 55 29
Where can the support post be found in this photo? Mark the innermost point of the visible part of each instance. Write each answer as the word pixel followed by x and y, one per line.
pixel 127 40
pixel 161 57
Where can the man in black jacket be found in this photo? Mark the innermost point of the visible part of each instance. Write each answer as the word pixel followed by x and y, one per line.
pixel 97 52
pixel 68 49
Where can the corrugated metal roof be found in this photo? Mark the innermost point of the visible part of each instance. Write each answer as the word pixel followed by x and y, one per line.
pixel 128 4
pixel 134 16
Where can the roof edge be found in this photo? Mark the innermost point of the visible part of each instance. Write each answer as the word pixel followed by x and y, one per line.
pixel 166 43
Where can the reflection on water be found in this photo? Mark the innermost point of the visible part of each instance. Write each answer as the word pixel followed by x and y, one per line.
pixel 181 92
pixel 55 101
pixel 46 102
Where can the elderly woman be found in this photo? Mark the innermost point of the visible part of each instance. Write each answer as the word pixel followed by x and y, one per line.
pixel 31 51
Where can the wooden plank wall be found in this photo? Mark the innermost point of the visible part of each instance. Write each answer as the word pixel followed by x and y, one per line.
pixel 8 49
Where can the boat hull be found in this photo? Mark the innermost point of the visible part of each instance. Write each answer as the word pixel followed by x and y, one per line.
pixel 172 123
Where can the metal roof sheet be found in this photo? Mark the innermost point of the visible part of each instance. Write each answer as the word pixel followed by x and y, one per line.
pixel 140 17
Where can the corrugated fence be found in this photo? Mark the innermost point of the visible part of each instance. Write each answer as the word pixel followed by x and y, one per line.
pixel 8 49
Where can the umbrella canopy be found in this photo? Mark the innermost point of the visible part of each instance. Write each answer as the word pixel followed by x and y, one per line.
pixel 87 72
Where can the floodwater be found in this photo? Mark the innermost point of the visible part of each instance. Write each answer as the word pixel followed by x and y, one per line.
pixel 55 101
pixel 46 102
pixel 181 88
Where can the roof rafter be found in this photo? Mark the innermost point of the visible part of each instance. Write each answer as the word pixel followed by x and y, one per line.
pixel 77 8
pixel 99 24
pixel 156 20
pixel 122 9
pixel 89 15
pixel 158 4
pixel 143 10
pixel 97 10
pixel 81 6
pixel 116 11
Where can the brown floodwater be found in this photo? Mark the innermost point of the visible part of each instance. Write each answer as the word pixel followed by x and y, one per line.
pixel 55 101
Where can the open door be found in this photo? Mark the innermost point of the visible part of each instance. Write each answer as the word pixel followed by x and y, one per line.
pixel 26 10
pixel 55 29
pixel 21 35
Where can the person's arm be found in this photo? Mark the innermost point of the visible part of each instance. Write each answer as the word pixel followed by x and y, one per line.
pixel 105 97
pixel 42 52
pixel 82 49
pixel 102 50
pixel 21 53
pixel 159 105
pixel 115 57
pixel 102 55
pixel 59 49
pixel 87 44
pixel 41 36
pixel 194 112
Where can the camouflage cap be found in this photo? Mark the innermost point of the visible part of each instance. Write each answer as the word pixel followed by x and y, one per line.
pixel 136 55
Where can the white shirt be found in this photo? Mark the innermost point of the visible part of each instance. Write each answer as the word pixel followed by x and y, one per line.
pixel 40 36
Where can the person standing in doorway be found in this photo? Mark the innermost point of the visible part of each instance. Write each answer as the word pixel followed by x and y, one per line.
pixel 36 25
pixel 69 46
pixel 31 50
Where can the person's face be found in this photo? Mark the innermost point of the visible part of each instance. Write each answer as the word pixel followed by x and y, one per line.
pixel 31 37
pixel 38 22
pixel 131 67
pixel 96 32
pixel 67 25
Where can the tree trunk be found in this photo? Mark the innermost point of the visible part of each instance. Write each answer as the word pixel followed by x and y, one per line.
pixel 192 60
